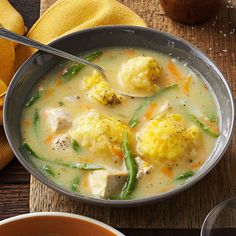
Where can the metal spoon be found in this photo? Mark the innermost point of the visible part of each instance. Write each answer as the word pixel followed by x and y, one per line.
pixel 4 33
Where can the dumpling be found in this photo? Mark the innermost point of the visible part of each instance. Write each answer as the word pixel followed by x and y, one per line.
pixel 166 138
pixel 140 73
pixel 101 91
pixel 99 133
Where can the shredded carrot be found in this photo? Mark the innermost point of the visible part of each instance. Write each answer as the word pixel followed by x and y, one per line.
pixel 86 159
pixel 129 52
pixel 196 165
pixel 186 85
pixel 165 81
pixel 151 108
pixel 166 189
pixel 27 123
pixel 49 139
pixel 108 53
pixel 118 153
pixel 49 93
pixel 168 172
pixel 201 154
pixel 212 125
pixel 84 181
pixel 58 81
pixel 174 70
pixel 135 128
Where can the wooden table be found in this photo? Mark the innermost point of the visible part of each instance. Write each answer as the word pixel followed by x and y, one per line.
pixel 14 179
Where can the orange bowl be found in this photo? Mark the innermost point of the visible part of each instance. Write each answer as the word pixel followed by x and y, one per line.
pixel 55 224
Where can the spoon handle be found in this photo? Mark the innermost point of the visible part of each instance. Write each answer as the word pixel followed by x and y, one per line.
pixel 4 33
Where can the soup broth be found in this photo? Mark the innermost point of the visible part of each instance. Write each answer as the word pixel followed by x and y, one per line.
pixel 53 226
pixel 87 137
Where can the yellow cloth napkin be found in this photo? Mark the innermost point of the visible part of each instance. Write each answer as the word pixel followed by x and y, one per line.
pixel 12 20
pixel 63 17
pixel 67 16
pixel 6 154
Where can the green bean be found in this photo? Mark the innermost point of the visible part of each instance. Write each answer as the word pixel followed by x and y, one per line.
pixel 29 150
pixel 82 166
pixel 204 127
pixel 161 91
pixel 75 184
pixel 75 145
pixel 49 170
pixel 132 169
pixel 36 116
pixel 72 165
pixel 185 175
pixel 60 103
pixel 36 96
pixel 139 111
pixel 74 69
pixel 36 121
pixel 212 117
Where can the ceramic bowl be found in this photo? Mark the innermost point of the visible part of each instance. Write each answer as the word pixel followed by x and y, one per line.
pixel 116 36
pixel 55 224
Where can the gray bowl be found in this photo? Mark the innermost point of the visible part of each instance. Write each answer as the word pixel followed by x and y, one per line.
pixel 37 65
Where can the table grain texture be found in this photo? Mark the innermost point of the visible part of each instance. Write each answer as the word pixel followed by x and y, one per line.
pixel 186 211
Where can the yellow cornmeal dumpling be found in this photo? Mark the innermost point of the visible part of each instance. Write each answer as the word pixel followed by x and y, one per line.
pixel 166 138
pixel 98 132
pixel 101 91
pixel 140 73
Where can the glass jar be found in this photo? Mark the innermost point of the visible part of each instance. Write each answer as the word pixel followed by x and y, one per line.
pixel 190 11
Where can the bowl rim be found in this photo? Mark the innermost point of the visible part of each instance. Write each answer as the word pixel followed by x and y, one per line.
pixel 218 207
pixel 61 214
pixel 131 202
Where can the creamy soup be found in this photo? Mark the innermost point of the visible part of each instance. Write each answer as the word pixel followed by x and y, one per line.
pixel 85 135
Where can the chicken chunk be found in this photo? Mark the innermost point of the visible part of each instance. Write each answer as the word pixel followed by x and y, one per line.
pixel 58 119
pixel 99 133
pixel 101 91
pixel 166 138
pixel 107 183
pixel 140 73
pixel 144 168
pixel 61 143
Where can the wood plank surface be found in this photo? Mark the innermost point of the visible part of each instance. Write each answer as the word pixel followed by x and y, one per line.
pixel 14 190
pixel 29 9
pixel 187 210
